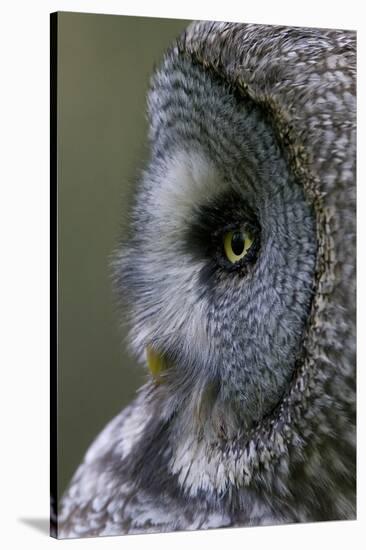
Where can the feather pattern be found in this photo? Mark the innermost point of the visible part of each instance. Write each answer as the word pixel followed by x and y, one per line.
pixel 254 420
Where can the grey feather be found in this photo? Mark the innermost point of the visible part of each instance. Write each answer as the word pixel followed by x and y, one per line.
pixel 253 421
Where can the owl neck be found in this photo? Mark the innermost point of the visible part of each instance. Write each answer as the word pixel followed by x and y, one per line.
pixel 204 437
pixel 203 409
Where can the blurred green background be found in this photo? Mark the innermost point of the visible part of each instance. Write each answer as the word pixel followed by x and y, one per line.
pixel 104 66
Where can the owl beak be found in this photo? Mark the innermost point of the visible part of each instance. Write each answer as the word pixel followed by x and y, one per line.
pixel 156 363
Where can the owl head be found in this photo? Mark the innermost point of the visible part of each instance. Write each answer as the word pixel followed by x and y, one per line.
pixel 217 268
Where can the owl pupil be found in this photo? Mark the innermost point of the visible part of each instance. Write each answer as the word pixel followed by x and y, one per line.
pixel 237 243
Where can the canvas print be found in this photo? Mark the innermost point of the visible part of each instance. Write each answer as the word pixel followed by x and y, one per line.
pixel 203 207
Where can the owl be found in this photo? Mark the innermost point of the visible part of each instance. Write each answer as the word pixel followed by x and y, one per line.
pixel 237 277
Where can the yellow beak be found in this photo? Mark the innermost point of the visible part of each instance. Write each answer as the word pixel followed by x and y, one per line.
pixel 155 362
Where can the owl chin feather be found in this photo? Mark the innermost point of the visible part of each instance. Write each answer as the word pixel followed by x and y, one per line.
pixel 198 404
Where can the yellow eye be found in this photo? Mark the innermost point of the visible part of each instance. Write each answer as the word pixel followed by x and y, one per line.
pixel 237 244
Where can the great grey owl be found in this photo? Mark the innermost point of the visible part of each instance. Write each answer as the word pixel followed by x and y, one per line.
pixel 238 278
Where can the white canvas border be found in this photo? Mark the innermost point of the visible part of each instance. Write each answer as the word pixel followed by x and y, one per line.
pixel 24 289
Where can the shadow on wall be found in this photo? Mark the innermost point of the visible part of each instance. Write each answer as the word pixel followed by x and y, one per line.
pixel 39 524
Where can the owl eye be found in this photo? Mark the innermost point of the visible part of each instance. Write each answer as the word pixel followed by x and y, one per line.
pixel 237 244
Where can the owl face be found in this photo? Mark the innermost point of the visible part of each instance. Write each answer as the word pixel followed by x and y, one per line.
pixel 218 266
